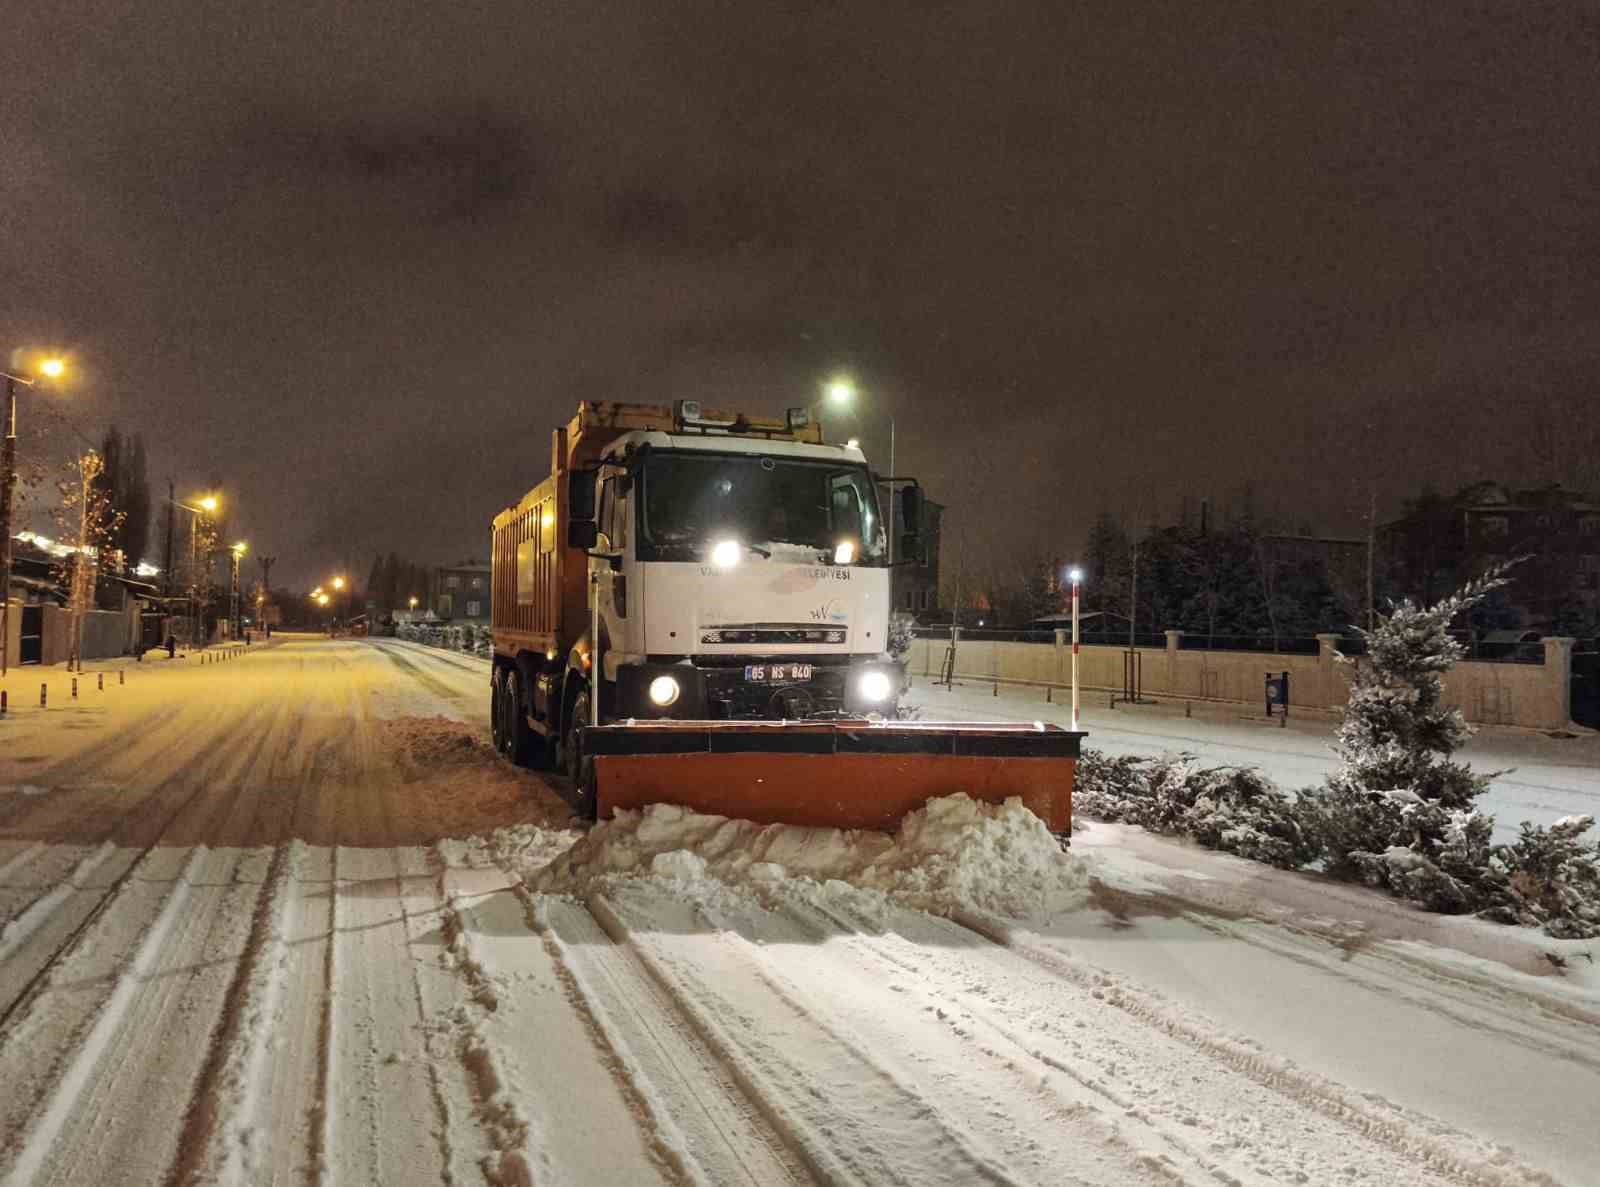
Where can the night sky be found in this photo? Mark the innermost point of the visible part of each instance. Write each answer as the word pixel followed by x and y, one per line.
pixel 358 259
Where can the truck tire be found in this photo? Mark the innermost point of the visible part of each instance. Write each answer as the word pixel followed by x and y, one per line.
pixel 579 766
pixel 497 709
pixel 525 747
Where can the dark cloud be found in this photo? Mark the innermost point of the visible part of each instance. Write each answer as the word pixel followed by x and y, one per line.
pixel 359 261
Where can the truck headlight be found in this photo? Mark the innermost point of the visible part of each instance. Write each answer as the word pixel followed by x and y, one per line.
pixel 663 691
pixel 726 553
pixel 844 552
pixel 874 686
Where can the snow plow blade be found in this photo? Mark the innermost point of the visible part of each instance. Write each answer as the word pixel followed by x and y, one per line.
pixel 833 774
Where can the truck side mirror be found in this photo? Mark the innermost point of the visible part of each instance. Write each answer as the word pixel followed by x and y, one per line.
pixel 580 494
pixel 582 534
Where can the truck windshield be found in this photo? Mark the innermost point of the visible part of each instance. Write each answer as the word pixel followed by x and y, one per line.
pixel 693 500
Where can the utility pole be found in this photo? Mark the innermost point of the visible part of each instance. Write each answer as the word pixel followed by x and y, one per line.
pixel 1133 592
pixel 266 563
pixel 1372 532
pixel 8 482
pixel 172 500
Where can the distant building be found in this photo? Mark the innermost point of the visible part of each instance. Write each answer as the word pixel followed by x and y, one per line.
pixel 461 593
pixel 914 588
pixel 1445 540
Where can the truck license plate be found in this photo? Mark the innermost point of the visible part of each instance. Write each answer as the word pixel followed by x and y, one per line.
pixel 767 673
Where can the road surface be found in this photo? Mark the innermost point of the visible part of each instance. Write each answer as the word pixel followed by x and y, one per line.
pixel 244 939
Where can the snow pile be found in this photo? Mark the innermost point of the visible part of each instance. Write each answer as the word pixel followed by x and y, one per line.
pixel 953 855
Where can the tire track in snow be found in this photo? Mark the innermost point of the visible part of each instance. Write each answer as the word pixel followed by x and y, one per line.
pixel 110 818
pixel 844 1114
pixel 1398 1136
pixel 962 1001
pixel 92 982
pixel 824 959
pixel 46 1131
pixel 22 925
pixel 20 996
pixel 519 1144
pixel 1453 994
pixel 381 1122
pixel 699 1119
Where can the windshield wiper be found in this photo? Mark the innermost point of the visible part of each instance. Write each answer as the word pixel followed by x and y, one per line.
pixel 765 553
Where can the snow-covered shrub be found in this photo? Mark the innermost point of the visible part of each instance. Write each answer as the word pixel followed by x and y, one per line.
pixel 1110 788
pixel 902 630
pixel 1234 809
pixel 1398 812
pixel 1548 878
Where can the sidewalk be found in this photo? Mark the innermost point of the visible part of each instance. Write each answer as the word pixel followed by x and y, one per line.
pixel 1544 778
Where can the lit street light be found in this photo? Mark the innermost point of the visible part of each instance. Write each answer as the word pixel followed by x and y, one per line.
pixel 236 553
pixel 51 368
pixel 1075 575
pixel 201 507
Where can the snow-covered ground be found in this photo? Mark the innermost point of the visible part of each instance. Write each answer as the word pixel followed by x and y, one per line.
pixel 1545 777
pixel 246 936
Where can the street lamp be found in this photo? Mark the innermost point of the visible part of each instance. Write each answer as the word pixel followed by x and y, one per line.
pixel 203 506
pixel 236 553
pixel 51 368
pixel 1075 575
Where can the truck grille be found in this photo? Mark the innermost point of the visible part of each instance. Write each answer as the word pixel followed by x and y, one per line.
pixel 774 633
pixel 730 696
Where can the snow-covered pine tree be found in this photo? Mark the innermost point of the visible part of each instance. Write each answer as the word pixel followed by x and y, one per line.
pixel 1399 811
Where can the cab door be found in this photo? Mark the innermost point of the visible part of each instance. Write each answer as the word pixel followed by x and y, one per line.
pixel 611 575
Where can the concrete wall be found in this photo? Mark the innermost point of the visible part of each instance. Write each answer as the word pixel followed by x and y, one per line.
pixel 1532 695
pixel 13 629
pixel 105 634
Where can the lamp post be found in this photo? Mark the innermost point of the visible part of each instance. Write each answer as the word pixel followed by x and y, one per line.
pixel 51 368
pixel 207 505
pixel 235 554
pixel 1075 575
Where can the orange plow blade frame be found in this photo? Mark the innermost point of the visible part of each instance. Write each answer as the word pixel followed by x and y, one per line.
pixel 831 774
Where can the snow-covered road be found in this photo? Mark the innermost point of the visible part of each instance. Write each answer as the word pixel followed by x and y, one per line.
pixel 244 939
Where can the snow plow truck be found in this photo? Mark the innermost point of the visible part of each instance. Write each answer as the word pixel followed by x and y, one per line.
pixel 693 608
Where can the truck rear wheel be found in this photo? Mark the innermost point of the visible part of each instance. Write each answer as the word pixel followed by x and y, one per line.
pixel 525 746
pixel 497 709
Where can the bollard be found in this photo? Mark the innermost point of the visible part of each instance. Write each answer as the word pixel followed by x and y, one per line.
pixel 74 688
pixel 996 688
pixel 1283 722
pixel 1188 708
pixel 3 699
pixel 44 694
pixel 122 677
pixel 100 680
pixel 1049 694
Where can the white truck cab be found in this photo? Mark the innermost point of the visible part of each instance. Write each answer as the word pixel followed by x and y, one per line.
pixel 740 577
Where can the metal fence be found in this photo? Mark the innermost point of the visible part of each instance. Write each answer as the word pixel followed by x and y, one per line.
pixel 1293 646
pixel 1350 645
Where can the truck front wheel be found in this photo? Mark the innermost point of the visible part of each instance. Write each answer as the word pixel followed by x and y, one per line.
pixel 580 767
